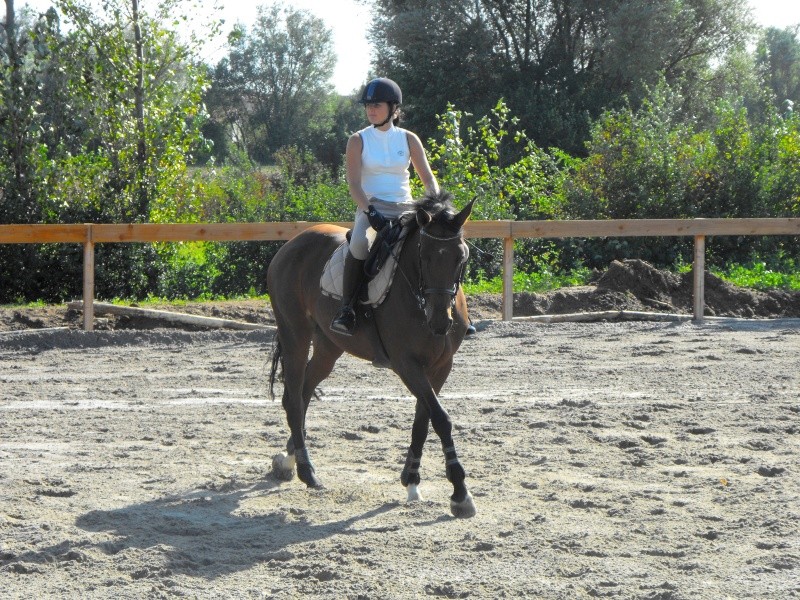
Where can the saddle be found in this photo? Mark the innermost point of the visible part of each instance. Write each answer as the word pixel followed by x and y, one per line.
pixel 379 267
pixel 385 242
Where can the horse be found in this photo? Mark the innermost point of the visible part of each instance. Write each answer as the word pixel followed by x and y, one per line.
pixel 415 332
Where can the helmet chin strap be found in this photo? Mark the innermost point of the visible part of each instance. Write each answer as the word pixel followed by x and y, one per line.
pixel 392 112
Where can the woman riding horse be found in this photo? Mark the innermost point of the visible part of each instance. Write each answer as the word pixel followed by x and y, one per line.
pixel 415 331
pixel 377 159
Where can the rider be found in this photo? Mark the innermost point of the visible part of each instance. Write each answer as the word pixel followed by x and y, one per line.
pixel 377 159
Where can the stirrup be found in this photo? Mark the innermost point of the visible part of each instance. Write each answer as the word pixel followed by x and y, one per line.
pixel 344 322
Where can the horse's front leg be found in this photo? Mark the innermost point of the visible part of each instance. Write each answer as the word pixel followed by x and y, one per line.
pixel 419 433
pixel 461 502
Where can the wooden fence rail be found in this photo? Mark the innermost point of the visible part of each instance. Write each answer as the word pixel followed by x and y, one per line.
pixel 90 234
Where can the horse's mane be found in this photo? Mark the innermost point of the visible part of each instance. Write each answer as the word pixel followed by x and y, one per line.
pixel 439 205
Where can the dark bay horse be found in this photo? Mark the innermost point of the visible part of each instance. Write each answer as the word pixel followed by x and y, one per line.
pixel 416 330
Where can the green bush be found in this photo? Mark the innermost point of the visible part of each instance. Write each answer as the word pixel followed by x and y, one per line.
pixel 654 163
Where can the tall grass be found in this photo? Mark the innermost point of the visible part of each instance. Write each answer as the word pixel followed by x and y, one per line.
pixel 759 276
pixel 527 282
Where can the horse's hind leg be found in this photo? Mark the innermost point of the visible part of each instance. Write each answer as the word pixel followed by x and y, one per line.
pixel 319 366
pixel 295 339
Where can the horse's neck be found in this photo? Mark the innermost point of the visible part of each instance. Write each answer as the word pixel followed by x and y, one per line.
pixel 409 257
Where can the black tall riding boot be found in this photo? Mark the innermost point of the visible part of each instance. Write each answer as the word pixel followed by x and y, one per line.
pixel 345 321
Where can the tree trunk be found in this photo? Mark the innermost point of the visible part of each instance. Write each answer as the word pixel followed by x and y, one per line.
pixel 12 98
pixel 13 122
pixel 141 146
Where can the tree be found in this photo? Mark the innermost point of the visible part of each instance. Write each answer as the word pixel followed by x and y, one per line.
pixel 18 122
pixel 272 89
pixel 558 63
pixel 106 117
pixel 778 59
pixel 135 109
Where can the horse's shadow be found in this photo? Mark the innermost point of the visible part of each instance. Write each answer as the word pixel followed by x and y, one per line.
pixel 199 533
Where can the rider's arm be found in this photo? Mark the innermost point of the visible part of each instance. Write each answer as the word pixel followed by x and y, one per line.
pixel 353 165
pixel 421 166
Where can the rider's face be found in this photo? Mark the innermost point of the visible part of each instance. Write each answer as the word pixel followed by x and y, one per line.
pixel 377 112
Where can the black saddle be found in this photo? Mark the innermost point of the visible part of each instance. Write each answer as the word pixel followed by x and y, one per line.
pixel 385 242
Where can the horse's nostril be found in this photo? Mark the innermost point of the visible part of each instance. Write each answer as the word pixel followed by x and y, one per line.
pixel 443 328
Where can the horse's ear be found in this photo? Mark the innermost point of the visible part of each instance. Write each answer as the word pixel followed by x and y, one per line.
pixel 461 218
pixel 423 217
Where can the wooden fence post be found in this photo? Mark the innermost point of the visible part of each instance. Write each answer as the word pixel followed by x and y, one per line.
pixel 508 279
pixel 699 289
pixel 88 280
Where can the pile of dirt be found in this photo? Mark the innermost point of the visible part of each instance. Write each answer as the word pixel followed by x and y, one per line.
pixel 638 286
pixel 631 285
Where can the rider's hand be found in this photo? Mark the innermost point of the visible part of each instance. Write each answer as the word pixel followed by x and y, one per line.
pixel 376 219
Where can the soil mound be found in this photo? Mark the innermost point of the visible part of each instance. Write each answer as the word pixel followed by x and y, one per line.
pixel 636 285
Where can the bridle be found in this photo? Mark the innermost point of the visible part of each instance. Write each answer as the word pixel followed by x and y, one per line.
pixel 423 291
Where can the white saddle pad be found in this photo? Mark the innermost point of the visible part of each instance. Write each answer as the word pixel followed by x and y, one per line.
pixel 332 279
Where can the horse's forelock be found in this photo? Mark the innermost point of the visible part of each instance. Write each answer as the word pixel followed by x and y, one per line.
pixel 439 205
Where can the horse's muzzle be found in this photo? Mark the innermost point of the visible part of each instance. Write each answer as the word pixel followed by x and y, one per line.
pixel 441 330
pixel 440 319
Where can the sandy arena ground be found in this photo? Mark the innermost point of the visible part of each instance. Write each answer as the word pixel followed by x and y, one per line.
pixel 625 460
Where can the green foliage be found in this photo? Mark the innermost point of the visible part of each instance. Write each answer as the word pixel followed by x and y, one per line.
pixel 559 64
pixel 652 162
pixel 136 106
pixel 20 125
pixel 512 178
pixel 778 60
pixel 496 162
pixel 272 89
pixel 100 121
pixel 527 282
pixel 760 276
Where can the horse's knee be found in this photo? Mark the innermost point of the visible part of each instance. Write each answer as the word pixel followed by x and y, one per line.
pixel 443 426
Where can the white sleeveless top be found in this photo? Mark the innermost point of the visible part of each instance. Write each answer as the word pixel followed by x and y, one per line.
pixel 385 158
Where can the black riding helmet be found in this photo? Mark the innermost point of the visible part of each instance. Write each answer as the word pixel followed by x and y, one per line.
pixel 383 90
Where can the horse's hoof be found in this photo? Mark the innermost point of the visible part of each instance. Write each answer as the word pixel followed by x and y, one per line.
pixel 283 466
pixel 413 492
pixel 464 509
pixel 306 474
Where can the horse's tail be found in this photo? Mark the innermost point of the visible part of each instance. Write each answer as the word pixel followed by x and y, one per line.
pixel 277 362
